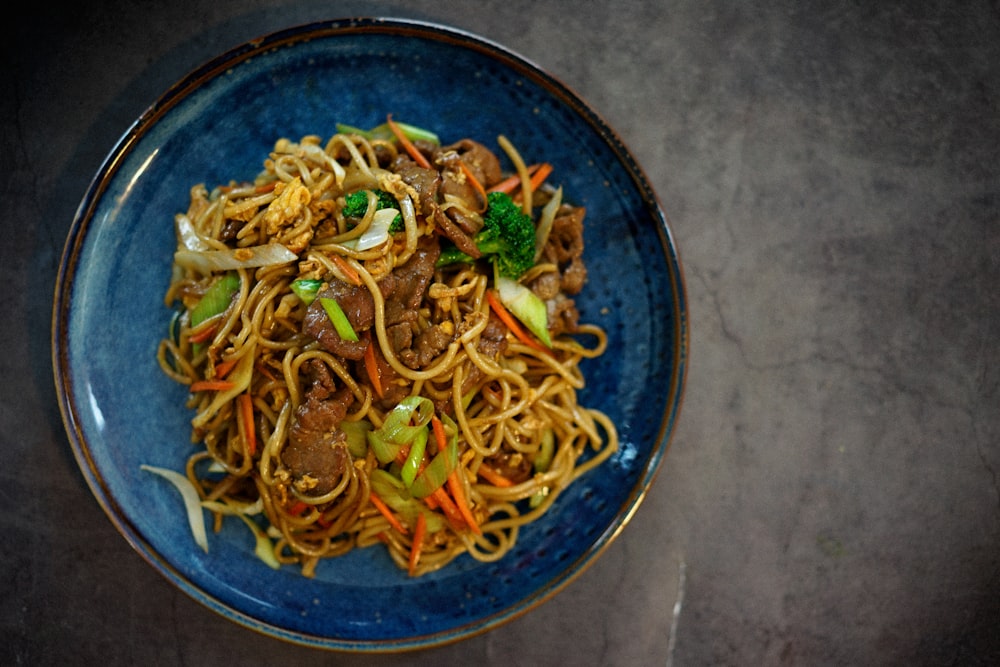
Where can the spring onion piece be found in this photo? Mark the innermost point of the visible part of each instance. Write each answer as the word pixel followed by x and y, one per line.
pixel 264 548
pixel 306 289
pixel 269 254
pixel 436 473
pixel 543 459
pixel 401 426
pixel 357 437
pixel 413 460
pixel 339 319
pixel 383 132
pixel 192 503
pixel 393 493
pixel 526 306
pixel 216 298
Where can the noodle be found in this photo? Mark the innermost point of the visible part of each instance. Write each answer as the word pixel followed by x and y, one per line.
pixel 338 396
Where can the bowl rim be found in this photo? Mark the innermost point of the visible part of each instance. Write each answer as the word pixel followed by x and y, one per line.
pixel 189 84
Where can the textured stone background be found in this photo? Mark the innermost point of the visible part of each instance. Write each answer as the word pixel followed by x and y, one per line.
pixel 832 175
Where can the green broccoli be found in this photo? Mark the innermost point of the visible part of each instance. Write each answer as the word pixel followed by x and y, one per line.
pixel 356 205
pixel 507 238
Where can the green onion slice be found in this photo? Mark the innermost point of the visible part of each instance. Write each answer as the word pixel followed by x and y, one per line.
pixel 339 319
pixel 401 427
pixel 306 289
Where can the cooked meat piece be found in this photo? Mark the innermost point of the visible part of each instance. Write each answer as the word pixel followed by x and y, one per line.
pixel 405 288
pixel 565 241
pixel 493 340
pixel 358 306
pixel 316 452
pixel 469 224
pixel 428 345
pixel 455 234
pixel 482 162
pixel 320 380
pixel 400 336
pixel 511 465
pixel 392 392
pixel 546 285
pixel 574 276
pixel 563 315
pixel 492 343
pixel 565 249
pixel 426 183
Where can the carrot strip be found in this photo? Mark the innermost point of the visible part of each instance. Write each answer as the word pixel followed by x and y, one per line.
pixel 449 508
pixel 264 370
pixel 458 493
pixel 203 335
pixel 246 407
pixel 211 385
pixel 512 324
pixel 407 145
pixel 439 435
pixel 539 176
pixel 298 508
pixel 493 477
pixel 223 367
pixel 349 272
pixel 418 542
pixel 511 183
pixel 372 368
pixel 474 181
pixel 387 513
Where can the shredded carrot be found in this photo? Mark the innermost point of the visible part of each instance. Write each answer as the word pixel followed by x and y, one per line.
pixel 493 477
pixel 246 407
pixel 407 145
pixel 418 542
pixel 203 335
pixel 372 367
pixel 511 183
pixel 447 505
pixel 540 175
pixel 349 272
pixel 211 385
pixel 297 508
pixel 264 370
pixel 223 367
pixel 387 513
pixel 439 435
pixel 458 493
pixel 512 324
pixel 267 187
pixel 475 182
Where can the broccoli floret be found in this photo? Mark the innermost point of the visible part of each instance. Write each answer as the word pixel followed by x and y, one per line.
pixel 507 238
pixel 356 205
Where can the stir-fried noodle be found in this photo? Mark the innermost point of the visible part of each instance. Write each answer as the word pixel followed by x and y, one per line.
pixel 365 368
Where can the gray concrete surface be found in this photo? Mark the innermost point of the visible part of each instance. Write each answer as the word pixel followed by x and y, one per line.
pixel 832 174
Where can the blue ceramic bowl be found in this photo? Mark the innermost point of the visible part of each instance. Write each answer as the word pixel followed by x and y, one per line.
pixel 120 411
